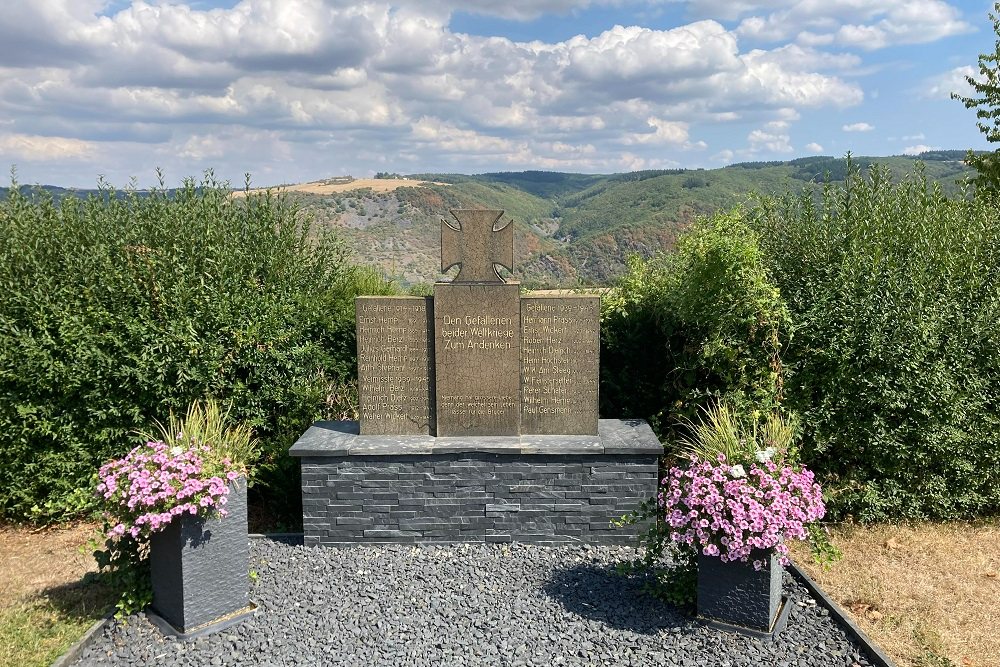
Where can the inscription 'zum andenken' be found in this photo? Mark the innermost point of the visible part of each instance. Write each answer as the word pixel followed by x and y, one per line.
pixel 477 332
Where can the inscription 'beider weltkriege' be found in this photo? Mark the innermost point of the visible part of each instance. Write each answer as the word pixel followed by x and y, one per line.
pixel 477 358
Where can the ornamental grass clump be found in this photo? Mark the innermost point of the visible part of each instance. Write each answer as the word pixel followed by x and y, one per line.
pixel 726 510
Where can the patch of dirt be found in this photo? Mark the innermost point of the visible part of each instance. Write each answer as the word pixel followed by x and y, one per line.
pixel 926 593
pixel 34 560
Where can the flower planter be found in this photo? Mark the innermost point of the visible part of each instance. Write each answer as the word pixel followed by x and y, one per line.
pixel 199 570
pixel 734 596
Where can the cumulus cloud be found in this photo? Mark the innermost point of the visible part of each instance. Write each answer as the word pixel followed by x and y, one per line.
pixel 852 23
pixel 320 83
pixel 919 148
pixel 858 127
pixel 813 147
pixel 770 139
pixel 941 86
pixel 44 149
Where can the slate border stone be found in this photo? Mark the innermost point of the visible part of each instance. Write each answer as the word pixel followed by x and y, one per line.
pixel 856 633
pixel 94 632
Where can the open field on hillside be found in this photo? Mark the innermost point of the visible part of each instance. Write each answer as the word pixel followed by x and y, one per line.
pixel 328 187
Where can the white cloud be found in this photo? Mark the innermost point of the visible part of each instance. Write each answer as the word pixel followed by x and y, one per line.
pixel 775 142
pixel 317 83
pixel 941 86
pixel 724 156
pixel 813 147
pixel 663 132
pixel 854 23
pixel 858 127
pixel 919 136
pixel 43 149
pixel 918 149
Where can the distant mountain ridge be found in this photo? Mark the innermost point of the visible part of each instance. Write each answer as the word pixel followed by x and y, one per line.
pixel 570 229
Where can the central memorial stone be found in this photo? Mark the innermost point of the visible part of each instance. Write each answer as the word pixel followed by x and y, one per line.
pixel 501 364
pixel 478 415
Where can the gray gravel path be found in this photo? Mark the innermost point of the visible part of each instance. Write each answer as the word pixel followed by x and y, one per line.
pixel 470 604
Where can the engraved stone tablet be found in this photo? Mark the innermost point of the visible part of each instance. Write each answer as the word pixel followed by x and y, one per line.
pixel 477 338
pixel 395 365
pixel 560 346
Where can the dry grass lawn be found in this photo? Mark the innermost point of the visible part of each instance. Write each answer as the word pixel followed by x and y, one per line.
pixel 45 602
pixel 928 594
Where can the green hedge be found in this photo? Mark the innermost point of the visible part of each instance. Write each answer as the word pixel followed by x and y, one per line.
pixel 895 361
pixel 123 306
pixel 871 309
pixel 699 324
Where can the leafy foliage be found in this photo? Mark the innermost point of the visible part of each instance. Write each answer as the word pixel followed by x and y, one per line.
pixel 894 367
pixel 986 102
pixel 121 307
pixel 702 324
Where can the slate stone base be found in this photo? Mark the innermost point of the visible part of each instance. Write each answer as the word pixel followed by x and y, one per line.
pixel 421 489
pixel 199 566
pixel 735 594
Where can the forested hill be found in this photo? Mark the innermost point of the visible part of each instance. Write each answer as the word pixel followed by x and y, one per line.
pixel 578 228
pixel 570 229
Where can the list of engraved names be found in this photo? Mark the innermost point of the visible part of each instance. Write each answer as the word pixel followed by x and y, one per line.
pixel 560 342
pixel 395 366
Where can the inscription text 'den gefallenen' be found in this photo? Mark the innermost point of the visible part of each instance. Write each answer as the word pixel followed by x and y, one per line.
pixel 477 358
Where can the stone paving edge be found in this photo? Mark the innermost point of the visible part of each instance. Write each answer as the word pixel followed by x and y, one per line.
pixel 74 651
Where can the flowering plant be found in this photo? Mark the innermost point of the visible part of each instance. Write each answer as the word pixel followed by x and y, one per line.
pixel 185 469
pixel 727 511
pixel 734 488
pixel 155 482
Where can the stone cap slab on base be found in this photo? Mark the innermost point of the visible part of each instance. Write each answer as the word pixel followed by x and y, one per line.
pixel 343 438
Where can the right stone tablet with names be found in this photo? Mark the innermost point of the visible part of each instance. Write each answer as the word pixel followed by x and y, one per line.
pixel 560 349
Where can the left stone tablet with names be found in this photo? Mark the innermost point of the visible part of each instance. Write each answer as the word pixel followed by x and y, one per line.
pixel 395 365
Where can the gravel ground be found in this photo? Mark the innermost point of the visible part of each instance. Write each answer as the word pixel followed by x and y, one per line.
pixel 472 604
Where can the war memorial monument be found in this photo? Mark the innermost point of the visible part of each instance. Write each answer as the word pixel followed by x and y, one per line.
pixel 478 416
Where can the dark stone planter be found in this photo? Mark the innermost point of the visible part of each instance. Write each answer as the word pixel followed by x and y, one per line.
pixel 199 570
pixel 735 597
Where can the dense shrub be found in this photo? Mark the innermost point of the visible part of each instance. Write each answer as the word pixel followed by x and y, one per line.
pixel 895 362
pixel 121 307
pixel 696 325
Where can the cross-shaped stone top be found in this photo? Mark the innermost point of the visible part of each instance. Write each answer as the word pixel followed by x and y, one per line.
pixel 477 246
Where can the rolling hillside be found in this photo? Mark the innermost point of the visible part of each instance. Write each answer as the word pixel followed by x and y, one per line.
pixel 573 229
pixel 570 229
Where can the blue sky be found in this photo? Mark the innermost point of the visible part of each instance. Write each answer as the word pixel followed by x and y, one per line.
pixel 297 90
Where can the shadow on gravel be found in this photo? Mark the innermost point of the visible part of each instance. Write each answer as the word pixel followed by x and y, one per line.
pixel 600 594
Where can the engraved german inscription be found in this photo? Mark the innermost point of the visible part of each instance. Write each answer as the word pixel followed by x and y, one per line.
pixel 560 347
pixel 477 342
pixel 395 365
